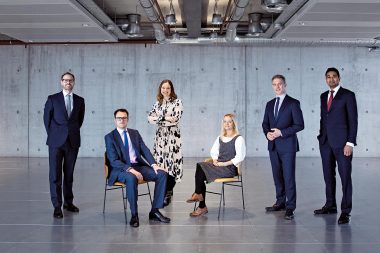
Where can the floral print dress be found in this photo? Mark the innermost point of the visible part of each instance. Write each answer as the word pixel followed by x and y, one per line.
pixel 167 149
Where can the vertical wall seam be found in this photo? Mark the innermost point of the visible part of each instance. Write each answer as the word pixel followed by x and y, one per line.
pixel 245 93
pixel 28 100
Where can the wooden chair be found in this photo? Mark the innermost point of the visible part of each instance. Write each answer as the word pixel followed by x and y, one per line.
pixel 120 185
pixel 236 181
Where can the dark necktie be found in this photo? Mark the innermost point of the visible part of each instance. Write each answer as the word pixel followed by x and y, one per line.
pixel 68 105
pixel 330 100
pixel 126 146
pixel 276 107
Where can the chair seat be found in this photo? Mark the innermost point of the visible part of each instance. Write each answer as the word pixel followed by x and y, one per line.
pixel 117 183
pixel 226 180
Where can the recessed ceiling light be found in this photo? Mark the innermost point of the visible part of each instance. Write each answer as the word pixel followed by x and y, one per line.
pixel 30 41
pixel 85 25
pixel 106 40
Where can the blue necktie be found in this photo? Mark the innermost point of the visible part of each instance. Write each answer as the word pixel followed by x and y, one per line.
pixel 276 107
pixel 126 146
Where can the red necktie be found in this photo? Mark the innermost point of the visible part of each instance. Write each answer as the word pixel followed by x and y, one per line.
pixel 330 100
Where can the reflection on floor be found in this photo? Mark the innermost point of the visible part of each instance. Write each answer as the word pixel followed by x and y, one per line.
pixel 27 225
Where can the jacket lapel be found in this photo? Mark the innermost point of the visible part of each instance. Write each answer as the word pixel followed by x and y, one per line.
pixel 61 100
pixel 133 140
pixel 337 97
pixel 283 106
pixel 119 143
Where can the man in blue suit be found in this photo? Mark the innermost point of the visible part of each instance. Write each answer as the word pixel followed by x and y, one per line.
pixel 337 137
pixel 63 118
pixel 282 120
pixel 126 152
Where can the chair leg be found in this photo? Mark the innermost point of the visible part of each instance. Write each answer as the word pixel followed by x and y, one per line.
pixel 224 203
pixel 150 196
pixel 220 200
pixel 242 193
pixel 105 195
pixel 124 204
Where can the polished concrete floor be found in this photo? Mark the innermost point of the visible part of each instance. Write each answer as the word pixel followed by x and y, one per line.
pixel 27 225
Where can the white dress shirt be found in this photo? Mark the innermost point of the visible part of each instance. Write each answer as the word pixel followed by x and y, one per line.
pixel 239 148
pixel 132 153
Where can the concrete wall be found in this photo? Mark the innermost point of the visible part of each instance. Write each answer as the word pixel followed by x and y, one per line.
pixel 211 81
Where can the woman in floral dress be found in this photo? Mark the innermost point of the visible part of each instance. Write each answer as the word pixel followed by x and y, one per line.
pixel 167 150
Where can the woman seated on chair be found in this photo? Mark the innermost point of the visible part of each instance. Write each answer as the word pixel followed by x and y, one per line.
pixel 226 153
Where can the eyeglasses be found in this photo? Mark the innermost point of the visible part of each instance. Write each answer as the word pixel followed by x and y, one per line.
pixel 121 118
pixel 68 80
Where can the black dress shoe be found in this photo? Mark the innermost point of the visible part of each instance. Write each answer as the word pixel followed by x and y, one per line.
pixel 157 216
pixel 344 218
pixel 71 208
pixel 134 222
pixel 289 214
pixel 168 198
pixel 326 210
pixel 58 213
pixel 275 208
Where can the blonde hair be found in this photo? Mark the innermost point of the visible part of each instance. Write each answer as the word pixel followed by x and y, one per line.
pixel 235 125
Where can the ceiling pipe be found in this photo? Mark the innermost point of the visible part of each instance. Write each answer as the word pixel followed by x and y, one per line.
pixel 101 16
pixel 154 17
pixel 284 17
pixel 238 7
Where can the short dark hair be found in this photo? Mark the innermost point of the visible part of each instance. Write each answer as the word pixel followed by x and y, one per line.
pixel 280 77
pixel 121 110
pixel 68 73
pixel 334 70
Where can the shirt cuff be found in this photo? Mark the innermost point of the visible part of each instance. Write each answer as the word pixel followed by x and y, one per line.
pixel 350 144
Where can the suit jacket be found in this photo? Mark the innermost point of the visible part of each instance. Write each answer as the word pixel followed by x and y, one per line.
pixel 340 124
pixel 119 160
pixel 57 123
pixel 289 121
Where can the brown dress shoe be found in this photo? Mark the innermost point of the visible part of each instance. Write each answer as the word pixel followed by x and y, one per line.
pixel 199 212
pixel 195 198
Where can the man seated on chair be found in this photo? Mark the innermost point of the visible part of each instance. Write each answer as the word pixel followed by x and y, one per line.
pixel 227 152
pixel 125 151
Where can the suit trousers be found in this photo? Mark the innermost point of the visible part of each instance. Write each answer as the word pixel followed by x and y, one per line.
pixel 330 157
pixel 283 169
pixel 61 159
pixel 149 175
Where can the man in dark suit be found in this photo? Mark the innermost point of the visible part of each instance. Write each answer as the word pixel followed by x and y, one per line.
pixel 337 137
pixel 63 117
pixel 282 120
pixel 126 152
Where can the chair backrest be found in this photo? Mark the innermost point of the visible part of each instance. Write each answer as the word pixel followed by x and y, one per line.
pixel 239 169
pixel 106 165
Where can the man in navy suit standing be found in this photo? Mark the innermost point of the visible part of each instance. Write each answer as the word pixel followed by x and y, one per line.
pixel 131 161
pixel 282 120
pixel 63 118
pixel 337 137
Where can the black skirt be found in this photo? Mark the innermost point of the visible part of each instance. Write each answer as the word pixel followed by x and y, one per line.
pixel 213 172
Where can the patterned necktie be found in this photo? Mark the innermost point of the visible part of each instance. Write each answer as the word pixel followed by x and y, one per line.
pixel 68 105
pixel 330 100
pixel 276 107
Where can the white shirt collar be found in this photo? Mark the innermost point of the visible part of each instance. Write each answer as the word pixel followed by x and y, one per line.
pixel 67 93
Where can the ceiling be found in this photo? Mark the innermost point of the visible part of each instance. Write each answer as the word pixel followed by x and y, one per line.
pixel 344 22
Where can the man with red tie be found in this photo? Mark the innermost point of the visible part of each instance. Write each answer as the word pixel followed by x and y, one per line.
pixel 337 137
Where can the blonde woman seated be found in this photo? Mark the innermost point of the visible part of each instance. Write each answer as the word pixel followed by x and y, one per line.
pixel 226 153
